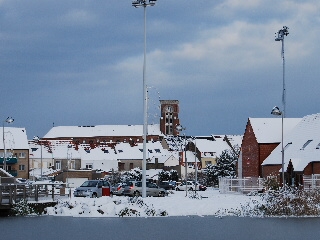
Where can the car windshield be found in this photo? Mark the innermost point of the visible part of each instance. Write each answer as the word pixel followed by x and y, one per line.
pixel 89 184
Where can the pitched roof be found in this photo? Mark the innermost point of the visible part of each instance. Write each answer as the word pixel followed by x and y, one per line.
pixel 15 138
pixel 101 130
pixel 302 144
pixel 268 130
pixel 217 144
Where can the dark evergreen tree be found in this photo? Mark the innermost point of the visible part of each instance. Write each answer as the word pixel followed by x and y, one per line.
pixel 171 175
pixel 225 167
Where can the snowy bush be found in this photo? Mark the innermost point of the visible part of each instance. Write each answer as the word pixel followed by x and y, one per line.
pixel 137 208
pixel 22 209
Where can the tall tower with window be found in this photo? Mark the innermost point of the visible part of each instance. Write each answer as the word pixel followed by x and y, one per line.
pixel 169 117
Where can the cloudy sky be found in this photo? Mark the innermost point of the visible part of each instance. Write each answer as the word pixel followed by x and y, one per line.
pixel 77 62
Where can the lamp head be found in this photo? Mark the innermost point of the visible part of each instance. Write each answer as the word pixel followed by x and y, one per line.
pixel 9 120
pixel 276 111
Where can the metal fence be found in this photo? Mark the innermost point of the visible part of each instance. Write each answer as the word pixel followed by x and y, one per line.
pixel 311 182
pixel 240 185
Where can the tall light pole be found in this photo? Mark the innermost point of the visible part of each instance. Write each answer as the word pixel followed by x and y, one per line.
pixel 180 128
pixel 276 111
pixel 8 120
pixel 144 4
pixel 280 37
pixel 39 141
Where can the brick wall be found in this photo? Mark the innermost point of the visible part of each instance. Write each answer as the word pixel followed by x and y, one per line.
pixel 254 153
pixel 271 170
pixel 250 153
pixel 312 168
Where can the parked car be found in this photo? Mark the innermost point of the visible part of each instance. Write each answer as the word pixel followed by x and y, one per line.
pixel 168 185
pixel 191 185
pixel 202 187
pixel 134 188
pixel 91 188
pixel 118 189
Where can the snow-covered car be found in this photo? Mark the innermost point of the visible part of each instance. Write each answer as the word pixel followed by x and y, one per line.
pixel 91 188
pixel 134 188
pixel 190 186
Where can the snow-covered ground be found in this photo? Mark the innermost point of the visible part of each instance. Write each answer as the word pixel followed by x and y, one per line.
pixel 209 202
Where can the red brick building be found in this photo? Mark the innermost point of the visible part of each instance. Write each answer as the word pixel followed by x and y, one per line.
pixel 301 152
pixel 261 137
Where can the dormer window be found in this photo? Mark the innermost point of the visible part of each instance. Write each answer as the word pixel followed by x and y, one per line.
pixel 306 144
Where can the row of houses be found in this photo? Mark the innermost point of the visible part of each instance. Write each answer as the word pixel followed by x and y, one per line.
pixel 84 151
pixel 72 152
pixel 78 156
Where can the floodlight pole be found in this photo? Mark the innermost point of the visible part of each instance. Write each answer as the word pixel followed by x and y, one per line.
pixel 144 4
pixel 180 128
pixel 280 37
pixel 276 111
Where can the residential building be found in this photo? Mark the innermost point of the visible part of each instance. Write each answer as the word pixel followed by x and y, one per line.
pixel 17 151
pixel 261 137
pixel 301 152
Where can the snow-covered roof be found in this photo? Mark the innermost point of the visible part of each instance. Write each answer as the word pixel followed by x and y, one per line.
pixel 15 138
pixel 302 144
pixel 217 144
pixel 60 149
pixel 101 130
pixel 268 130
pixel 56 149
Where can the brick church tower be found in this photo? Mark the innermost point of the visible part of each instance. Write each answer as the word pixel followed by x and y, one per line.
pixel 169 117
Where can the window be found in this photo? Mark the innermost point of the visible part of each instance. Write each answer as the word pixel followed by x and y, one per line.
pixel 58 165
pixel 306 144
pixel 72 164
pixel 21 167
pixel 22 155
pixel 208 163
pixel 89 165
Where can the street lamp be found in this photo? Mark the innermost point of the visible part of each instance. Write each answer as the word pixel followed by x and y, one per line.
pixel 39 141
pixel 280 37
pixel 144 4
pixel 180 128
pixel 8 120
pixel 276 111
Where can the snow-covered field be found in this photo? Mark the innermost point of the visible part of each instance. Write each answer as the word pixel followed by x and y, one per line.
pixel 209 202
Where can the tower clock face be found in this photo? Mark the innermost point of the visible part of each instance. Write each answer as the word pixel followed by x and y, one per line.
pixel 169 109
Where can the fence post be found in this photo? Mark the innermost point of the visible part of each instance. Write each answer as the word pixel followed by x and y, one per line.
pixel 36 193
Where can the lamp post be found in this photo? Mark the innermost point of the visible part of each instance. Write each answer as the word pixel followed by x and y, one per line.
pixel 180 128
pixel 39 141
pixel 276 111
pixel 280 37
pixel 8 120
pixel 144 4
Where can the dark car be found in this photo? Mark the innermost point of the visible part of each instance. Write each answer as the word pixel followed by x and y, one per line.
pixel 167 185
pixel 202 187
